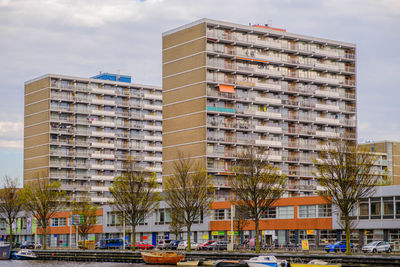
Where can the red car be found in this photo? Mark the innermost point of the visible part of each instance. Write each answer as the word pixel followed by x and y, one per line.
pixel 206 245
pixel 142 245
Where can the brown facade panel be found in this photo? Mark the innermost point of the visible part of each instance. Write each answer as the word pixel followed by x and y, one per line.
pixel 36 162
pixel 184 50
pixel 185 122
pixel 34 174
pixel 37 107
pixel 37 96
pixel 36 129
pixel 36 151
pixel 37 118
pixel 184 79
pixel 184 35
pixel 188 150
pixel 186 107
pixel 184 93
pixel 168 167
pixel 182 137
pixel 37 85
pixel 185 64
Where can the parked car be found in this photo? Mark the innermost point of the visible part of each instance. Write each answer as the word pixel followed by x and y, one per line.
pixel 111 243
pixel 143 245
pixel 163 243
pixel 338 246
pixel 183 245
pixel 377 246
pixel 206 245
pixel 30 245
pixel 173 245
pixel 219 245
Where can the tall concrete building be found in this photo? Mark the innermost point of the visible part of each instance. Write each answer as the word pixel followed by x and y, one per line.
pixel 389 157
pixel 226 86
pixel 83 131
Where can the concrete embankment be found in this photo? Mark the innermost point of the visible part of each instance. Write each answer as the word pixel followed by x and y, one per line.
pixel 134 257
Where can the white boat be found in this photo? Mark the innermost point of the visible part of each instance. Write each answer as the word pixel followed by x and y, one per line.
pixel 266 260
pixel 24 254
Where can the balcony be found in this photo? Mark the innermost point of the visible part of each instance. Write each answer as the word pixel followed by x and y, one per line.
pixel 102 156
pixel 103 123
pixel 328 53
pixel 268 100
pixel 327 120
pixel 102 178
pixel 153 169
pixel 152 127
pixel 100 188
pixel 103 102
pixel 269 86
pixel 152 138
pixel 270 129
pixel 327 134
pixel 221 109
pixel 152 117
pixel 152 158
pixel 103 112
pixel 153 148
pixel 152 96
pixel 327 66
pixel 101 199
pixel 102 167
pixel 327 93
pixel 102 145
pixel 103 91
pixel 327 107
pixel 103 134
pixel 152 107
pixel 268 114
pixel 268 143
pixel 327 80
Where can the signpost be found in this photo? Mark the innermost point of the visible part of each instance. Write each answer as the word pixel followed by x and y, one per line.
pixel 75 220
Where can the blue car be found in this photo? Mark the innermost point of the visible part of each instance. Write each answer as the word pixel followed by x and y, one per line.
pixel 338 246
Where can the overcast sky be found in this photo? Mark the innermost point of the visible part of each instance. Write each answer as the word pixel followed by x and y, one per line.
pixel 81 38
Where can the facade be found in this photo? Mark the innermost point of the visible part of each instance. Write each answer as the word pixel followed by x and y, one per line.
pixel 83 131
pixel 376 218
pixel 389 151
pixel 226 86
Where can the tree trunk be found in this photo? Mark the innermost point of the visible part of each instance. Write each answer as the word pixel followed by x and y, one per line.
pixel 257 236
pixel 189 247
pixel 133 237
pixel 11 233
pixel 45 237
pixel 347 229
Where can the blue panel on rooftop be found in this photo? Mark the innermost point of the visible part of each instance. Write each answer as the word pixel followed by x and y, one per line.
pixel 113 77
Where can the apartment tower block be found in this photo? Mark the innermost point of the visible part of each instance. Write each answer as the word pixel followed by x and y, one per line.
pixel 82 132
pixel 226 86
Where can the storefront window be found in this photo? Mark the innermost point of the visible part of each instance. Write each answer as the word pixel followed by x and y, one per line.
pixel 376 208
pixel 388 208
pixel 398 207
pixel 364 209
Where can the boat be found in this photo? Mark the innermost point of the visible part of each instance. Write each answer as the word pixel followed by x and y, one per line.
pixel 162 257
pixel 315 263
pixel 188 263
pixel 24 254
pixel 230 263
pixel 207 263
pixel 266 260
pixel 5 251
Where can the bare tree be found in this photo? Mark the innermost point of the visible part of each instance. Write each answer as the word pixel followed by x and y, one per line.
pixel 43 198
pixel 87 211
pixel 241 219
pixel 10 203
pixel 188 191
pixel 256 185
pixel 346 171
pixel 135 195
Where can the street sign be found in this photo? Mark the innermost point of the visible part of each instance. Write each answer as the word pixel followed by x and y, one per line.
pixel 75 219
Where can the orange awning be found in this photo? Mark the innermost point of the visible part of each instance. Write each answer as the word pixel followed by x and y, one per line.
pixel 226 88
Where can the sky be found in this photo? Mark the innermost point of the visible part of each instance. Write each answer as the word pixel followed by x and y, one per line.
pixel 81 38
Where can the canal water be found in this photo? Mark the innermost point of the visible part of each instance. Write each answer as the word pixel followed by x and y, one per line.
pixel 21 263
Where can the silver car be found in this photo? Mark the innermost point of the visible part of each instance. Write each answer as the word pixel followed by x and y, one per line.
pixel 377 246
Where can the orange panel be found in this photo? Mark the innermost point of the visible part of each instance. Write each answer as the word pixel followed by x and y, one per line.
pixel 226 88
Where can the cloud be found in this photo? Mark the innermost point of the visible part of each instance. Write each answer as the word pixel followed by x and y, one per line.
pixel 11 134
pixel 18 144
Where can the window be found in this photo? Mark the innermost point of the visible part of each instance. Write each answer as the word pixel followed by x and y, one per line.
pixel 388 208
pixel 112 219
pixel 324 211
pixel 285 212
pixel 58 222
pixel 219 214
pixel 375 208
pixel 3 224
pixel 270 213
pixel 308 211
pixel 364 209
pixel 163 216
pixel 397 207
